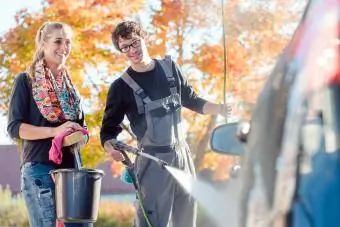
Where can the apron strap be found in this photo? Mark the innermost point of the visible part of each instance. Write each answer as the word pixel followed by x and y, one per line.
pixel 139 93
pixel 166 65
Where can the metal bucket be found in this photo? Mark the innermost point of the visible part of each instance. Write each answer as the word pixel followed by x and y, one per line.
pixel 77 193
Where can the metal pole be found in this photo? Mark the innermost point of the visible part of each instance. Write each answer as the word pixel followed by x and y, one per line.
pixel 225 60
pixel 224 55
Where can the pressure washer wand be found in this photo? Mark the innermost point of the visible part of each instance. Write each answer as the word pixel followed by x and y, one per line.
pixel 159 161
pixel 120 146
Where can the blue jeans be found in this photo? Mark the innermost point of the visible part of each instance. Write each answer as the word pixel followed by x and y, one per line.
pixel 38 190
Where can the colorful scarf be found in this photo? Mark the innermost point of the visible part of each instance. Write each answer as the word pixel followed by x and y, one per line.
pixel 55 97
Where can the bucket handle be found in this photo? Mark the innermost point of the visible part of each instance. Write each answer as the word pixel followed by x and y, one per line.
pixel 52 175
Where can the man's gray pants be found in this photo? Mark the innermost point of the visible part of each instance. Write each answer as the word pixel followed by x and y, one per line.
pixel 164 200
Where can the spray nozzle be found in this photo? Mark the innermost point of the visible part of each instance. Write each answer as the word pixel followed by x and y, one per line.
pixel 159 161
pixel 163 164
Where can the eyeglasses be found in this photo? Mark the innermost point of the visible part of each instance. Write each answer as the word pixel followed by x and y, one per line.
pixel 134 44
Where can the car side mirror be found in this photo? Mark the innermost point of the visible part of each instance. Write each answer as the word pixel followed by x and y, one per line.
pixel 230 138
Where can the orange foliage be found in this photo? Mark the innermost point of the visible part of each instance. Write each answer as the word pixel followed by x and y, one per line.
pixel 92 22
pixel 117 168
pixel 253 40
pixel 190 30
pixel 220 164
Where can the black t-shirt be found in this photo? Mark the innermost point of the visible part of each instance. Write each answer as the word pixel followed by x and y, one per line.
pixel 23 109
pixel 121 101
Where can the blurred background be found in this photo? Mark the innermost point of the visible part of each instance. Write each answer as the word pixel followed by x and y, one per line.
pixel 255 32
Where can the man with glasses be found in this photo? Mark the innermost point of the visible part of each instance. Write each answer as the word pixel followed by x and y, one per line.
pixel 151 93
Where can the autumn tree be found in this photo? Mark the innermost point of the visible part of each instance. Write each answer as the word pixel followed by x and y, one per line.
pixel 176 26
pixel 255 33
pixel 92 61
pixel 189 30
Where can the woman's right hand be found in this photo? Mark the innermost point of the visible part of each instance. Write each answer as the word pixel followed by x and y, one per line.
pixel 69 125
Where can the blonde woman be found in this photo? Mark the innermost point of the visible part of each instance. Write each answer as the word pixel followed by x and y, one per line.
pixel 44 104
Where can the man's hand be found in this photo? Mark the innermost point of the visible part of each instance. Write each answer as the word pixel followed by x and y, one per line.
pixel 113 153
pixel 225 110
pixel 214 109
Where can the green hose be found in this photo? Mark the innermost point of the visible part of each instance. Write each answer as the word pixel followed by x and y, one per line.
pixel 136 184
pixel 139 197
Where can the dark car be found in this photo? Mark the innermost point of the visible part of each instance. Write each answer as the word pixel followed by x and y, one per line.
pixel 290 151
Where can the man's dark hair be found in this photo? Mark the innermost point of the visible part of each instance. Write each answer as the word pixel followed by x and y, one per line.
pixel 126 30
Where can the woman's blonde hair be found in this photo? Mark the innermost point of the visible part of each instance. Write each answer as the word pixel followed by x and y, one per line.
pixel 42 35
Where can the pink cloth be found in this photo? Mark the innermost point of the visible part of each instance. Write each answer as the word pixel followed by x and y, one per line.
pixel 55 153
